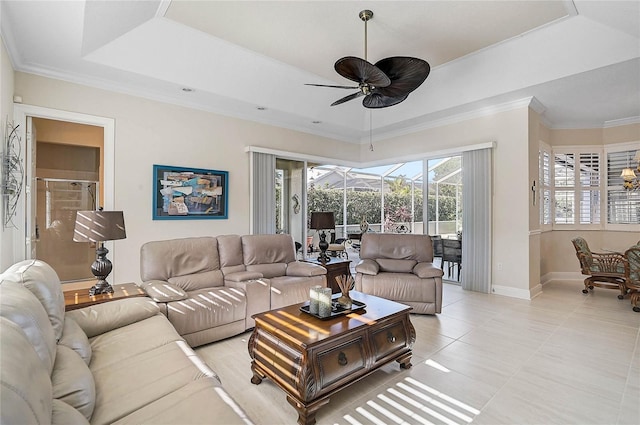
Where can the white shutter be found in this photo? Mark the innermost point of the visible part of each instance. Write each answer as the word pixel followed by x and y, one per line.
pixel 623 206
pixel 545 187
pixel 564 181
pixel 589 188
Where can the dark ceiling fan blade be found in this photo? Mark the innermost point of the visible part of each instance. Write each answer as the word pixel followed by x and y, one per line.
pixel 361 71
pixel 347 98
pixel 406 74
pixel 335 87
pixel 376 100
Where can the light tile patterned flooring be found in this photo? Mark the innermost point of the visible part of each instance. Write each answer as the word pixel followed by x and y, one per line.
pixel 561 358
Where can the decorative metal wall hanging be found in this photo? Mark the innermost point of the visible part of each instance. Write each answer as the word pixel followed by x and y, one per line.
pixel 12 174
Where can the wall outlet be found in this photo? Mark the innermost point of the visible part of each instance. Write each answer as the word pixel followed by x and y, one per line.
pixel 499 267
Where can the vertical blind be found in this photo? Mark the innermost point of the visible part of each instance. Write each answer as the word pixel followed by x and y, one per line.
pixel 264 193
pixel 476 204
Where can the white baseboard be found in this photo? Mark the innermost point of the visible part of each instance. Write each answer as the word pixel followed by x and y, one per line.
pixel 550 277
pixel 524 294
pixel 529 294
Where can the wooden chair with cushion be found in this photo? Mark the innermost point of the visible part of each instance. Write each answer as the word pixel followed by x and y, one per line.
pixel 632 275
pixel 605 270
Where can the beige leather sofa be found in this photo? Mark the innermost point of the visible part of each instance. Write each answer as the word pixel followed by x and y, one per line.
pixel 209 287
pixel 120 362
pixel 400 267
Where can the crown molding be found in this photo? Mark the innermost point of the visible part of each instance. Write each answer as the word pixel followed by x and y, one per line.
pixel 452 119
pixel 622 121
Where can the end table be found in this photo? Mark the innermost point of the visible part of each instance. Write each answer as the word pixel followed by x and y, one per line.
pixel 79 298
pixel 334 268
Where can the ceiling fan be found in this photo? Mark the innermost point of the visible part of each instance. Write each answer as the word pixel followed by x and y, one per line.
pixel 384 84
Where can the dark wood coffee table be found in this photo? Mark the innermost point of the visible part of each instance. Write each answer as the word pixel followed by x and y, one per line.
pixel 311 359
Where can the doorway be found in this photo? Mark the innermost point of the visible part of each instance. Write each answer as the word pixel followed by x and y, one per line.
pixel 68 157
pixel 290 195
pixel 90 180
pixel 444 213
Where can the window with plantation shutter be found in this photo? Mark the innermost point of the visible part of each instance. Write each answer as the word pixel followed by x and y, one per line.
pixel 623 206
pixel 545 186
pixel 564 182
pixel 582 187
pixel 575 189
pixel 588 190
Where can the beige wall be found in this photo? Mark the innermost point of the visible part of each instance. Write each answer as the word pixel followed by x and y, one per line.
pixel 509 130
pixel 558 258
pixel 622 134
pixel 147 133
pixel 591 136
pixel 595 136
pixel 6 112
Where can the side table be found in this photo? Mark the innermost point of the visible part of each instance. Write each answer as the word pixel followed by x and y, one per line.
pixel 79 298
pixel 334 268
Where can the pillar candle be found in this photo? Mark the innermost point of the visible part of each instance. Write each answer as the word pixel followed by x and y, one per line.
pixel 324 302
pixel 313 299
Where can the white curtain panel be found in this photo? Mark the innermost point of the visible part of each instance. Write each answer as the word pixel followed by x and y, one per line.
pixel 476 213
pixel 263 185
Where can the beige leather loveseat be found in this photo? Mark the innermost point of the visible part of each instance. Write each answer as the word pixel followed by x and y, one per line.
pixel 209 287
pixel 400 267
pixel 120 362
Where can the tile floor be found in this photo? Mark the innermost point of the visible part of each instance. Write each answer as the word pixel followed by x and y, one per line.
pixel 562 358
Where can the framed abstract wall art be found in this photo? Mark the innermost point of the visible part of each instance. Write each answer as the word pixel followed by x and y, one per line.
pixel 189 193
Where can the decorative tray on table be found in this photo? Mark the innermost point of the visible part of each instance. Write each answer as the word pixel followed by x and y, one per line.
pixel 336 309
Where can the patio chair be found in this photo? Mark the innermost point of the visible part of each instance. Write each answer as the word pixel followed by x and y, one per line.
pixel 452 255
pixel 632 275
pixel 437 246
pixel 337 247
pixel 605 270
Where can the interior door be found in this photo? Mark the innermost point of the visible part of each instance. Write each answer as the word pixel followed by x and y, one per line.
pixel 31 191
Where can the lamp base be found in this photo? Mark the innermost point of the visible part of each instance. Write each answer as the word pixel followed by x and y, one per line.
pixel 323 245
pixel 101 269
pixel 102 287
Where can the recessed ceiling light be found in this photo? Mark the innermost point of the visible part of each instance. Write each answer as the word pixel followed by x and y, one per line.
pixel 261 108
pixel 316 122
pixel 187 90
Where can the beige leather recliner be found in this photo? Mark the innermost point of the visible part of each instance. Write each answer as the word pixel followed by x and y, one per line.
pixel 399 267
pixel 209 287
pixel 119 362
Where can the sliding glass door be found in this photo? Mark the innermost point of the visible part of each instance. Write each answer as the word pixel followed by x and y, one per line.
pixel 290 194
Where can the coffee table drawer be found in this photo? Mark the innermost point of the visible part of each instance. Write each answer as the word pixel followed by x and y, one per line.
pixel 389 339
pixel 280 359
pixel 341 361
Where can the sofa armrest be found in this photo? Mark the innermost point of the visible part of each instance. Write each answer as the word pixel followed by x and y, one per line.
pixel 242 276
pixel 368 266
pixel 100 318
pixel 427 270
pixel 300 268
pixel 163 292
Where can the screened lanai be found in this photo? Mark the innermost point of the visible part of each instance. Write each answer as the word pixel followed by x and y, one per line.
pixel 389 198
